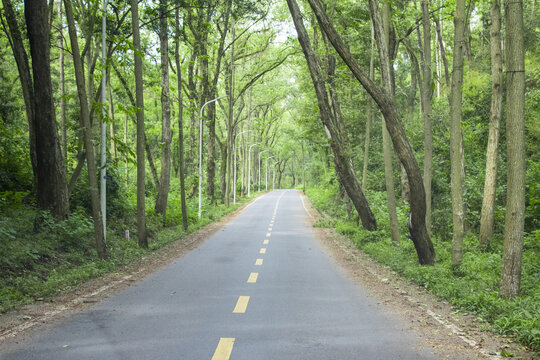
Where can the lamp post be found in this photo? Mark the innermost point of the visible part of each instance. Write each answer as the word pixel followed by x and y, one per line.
pixel 234 169
pixel 200 149
pixel 249 167
pixel 259 165
pixel 266 175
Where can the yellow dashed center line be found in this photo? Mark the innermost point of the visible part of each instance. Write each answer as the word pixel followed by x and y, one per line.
pixel 224 349
pixel 258 262
pixel 265 242
pixel 262 251
pixel 270 228
pixel 253 277
pixel 268 234
pixel 241 305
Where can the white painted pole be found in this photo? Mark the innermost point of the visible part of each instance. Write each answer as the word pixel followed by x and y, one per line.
pixel 200 150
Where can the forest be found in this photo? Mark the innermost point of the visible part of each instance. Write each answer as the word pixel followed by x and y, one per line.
pixel 412 126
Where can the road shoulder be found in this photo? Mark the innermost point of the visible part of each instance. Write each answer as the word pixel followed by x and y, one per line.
pixel 446 330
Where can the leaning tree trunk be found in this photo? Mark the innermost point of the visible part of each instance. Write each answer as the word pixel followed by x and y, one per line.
pixel 52 193
pixel 166 135
pixel 341 159
pixel 141 197
pixel 456 139
pixel 515 135
pixel 490 183
pixel 61 80
pixel 87 131
pixel 388 107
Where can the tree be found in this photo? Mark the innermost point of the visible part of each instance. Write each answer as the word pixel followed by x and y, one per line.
pixel 141 196
pixel 456 138
pixel 426 93
pixel 164 181
pixel 417 223
pixel 181 163
pixel 332 125
pixel 45 152
pixel 490 183
pixel 389 85
pixel 515 133
pixel 87 133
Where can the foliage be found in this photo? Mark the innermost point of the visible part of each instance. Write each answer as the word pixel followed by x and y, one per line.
pixel 60 255
pixel 472 288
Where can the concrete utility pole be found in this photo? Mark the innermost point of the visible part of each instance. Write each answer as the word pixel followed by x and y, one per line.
pixel 234 169
pixel 249 167
pixel 259 165
pixel 200 149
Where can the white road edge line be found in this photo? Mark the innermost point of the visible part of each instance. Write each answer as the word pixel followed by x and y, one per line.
pixel 305 208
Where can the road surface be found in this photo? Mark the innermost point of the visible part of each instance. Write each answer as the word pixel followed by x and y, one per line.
pixel 262 287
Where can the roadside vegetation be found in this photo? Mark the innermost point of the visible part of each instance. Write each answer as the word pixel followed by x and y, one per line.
pixel 38 264
pixel 408 122
pixel 472 288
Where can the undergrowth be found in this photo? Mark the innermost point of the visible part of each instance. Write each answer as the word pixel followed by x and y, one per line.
pixel 39 261
pixel 471 288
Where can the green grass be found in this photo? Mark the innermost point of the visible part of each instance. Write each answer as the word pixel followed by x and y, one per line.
pixel 36 265
pixel 472 288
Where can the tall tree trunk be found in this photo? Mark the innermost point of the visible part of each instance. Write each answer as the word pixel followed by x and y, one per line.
pixel 181 164
pixel 515 134
pixel 388 107
pixel 427 96
pixel 141 196
pixel 389 85
pixel 369 117
pixel 88 145
pixel 230 119
pixel 52 193
pixel 456 138
pixel 342 161
pixel 223 169
pixel 490 183
pixel 112 128
pixel 61 80
pixel 166 135
pixel 443 52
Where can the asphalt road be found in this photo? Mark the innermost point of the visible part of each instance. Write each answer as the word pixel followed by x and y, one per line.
pixel 262 287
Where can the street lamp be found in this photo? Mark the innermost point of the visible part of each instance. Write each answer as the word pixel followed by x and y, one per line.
pixel 249 166
pixel 200 149
pixel 266 180
pixel 234 170
pixel 259 165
